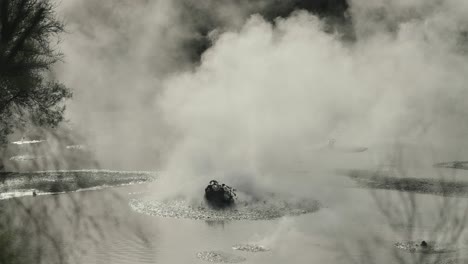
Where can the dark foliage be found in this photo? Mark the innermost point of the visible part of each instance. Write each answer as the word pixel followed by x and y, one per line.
pixel 322 8
pixel 27 91
pixel 202 20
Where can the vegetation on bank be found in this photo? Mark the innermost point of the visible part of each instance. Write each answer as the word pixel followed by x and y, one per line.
pixel 29 37
pixel 29 95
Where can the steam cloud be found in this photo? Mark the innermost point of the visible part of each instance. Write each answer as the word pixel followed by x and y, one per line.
pixel 265 96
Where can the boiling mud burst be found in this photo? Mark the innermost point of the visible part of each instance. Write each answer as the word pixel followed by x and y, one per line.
pixel 250 248
pixel 260 210
pixel 428 248
pixel 219 257
pixel 14 184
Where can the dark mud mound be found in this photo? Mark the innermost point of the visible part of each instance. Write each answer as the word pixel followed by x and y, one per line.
pixel 261 210
pixel 219 257
pixel 431 248
pixel 254 248
pixel 461 165
pixel 220 195
pixel 66 181
pixel 379 180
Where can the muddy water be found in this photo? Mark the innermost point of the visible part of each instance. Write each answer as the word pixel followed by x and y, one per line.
pixel 356 216
pixel 350 228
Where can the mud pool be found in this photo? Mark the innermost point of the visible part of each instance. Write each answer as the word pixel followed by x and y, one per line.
pixel 124 224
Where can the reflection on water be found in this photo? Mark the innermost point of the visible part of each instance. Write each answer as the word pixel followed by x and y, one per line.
pixel 216 223
pixel 129 237
pixel 122 248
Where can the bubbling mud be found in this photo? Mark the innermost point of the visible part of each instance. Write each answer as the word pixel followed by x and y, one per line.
pixel 431 248
pixel 250 248
pixel 261 210
pixel 76 147
pixel 219 257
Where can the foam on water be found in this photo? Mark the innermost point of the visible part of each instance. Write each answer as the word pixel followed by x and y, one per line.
pixel 242 211
pixel 27 142
pixel 15 194
pixel 219 257
pixel 25 158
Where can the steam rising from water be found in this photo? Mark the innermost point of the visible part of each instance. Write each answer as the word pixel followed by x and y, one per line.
pixel 265 94
pixel 258 109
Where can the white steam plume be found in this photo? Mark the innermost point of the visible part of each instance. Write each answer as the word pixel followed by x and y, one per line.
pixel 265 95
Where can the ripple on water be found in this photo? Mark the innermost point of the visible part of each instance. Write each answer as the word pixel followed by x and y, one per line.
pixel 250 248
pixel 219 257
pixel 253 211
